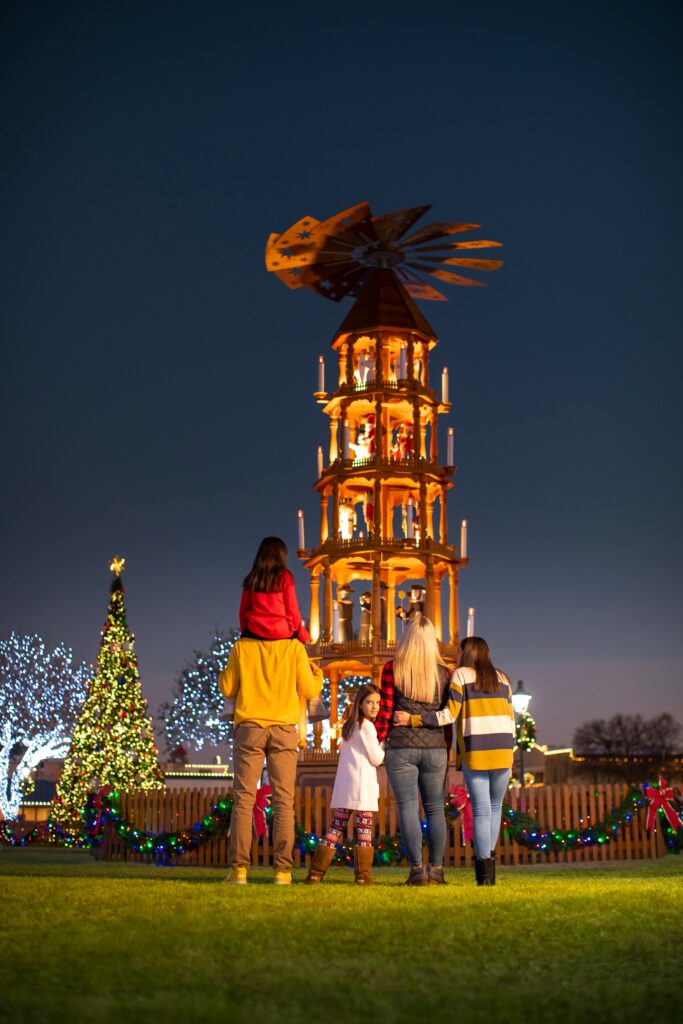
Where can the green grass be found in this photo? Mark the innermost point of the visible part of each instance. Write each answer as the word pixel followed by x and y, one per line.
pixel 99 942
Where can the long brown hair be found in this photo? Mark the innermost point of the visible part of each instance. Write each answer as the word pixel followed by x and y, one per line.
pixel 473 652
pixel 269 567
pixel 356 715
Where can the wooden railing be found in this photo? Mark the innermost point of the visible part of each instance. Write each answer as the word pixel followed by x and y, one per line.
pixel 563 807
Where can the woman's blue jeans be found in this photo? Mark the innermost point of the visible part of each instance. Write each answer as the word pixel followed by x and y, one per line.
pixel 486 789
pixel 415 773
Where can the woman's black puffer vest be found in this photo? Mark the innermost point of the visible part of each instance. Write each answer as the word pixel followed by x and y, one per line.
pixel 424 738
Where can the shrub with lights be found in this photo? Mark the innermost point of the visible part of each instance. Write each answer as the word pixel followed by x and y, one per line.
pixel 41 691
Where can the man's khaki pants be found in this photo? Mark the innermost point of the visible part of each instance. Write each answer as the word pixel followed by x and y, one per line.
pixel 279 745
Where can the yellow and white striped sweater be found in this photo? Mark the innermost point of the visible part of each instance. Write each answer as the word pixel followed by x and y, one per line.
pixel 485 721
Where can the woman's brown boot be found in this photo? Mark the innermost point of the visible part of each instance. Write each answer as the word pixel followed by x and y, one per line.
pixel 363 857
pixel 320 862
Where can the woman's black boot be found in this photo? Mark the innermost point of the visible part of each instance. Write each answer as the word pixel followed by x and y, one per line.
pixel 493 868
pixel 482 870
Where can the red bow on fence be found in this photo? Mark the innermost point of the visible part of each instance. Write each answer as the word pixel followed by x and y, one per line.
pixel 98 804
pixel 660 800
pixel 460 801
pixel 260 806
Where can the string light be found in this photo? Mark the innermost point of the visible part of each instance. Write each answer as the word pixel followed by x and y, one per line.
pixel 161 847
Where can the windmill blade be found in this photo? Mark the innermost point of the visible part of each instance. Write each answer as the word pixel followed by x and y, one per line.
pixel 390 226
pixel 297 278
pixel 344 220
pixel 446 275
pixel 338 286
pixel 417 287
pixel 438 230
pixel 473 264
pixel 298 233
pixel 483 243
pixel 283 258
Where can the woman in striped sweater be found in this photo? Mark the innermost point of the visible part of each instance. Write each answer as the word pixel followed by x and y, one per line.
pixel 480 701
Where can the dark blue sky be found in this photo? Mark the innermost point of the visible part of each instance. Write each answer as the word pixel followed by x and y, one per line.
pixel 156 385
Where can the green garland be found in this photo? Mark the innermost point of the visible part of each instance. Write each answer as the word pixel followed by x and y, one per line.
pixel 163 847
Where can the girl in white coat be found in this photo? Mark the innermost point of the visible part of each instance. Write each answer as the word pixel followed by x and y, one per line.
pixel 355 789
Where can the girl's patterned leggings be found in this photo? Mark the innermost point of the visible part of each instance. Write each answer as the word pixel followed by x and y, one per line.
pixel 336 833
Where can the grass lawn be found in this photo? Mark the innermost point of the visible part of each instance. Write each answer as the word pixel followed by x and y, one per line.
pixel 95 942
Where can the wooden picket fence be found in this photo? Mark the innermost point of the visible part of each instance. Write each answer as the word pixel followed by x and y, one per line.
pixel 558 806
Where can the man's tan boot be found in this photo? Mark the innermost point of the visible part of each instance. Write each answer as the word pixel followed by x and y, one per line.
pixel 320 862
pixel 363 857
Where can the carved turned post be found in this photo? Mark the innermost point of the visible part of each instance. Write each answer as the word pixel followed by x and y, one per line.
pixel 391 605
pixel 327 606
pixel 429 586
pixel 443 519
pixel 453 610
pixel 434 438
pixel 423 510
pixel 349 365
pixel 437 607
pixel 315 607
pixel 334 443
pixel 376 600
pixel 324 501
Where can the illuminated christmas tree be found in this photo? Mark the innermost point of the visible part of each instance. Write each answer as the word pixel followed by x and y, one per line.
pixel 112 743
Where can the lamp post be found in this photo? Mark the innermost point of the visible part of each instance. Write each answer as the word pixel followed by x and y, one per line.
pixel 520 702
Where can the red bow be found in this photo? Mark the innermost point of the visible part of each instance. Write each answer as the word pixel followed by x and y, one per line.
pixel 460 801
pixel 260 805
pixel 98 804
pixel 660 799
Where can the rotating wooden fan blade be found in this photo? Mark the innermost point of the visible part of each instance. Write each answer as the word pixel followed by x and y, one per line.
pixel 473 264
pixel 417 287
pixel 343 221
pixel 437 230
pixel 390 226
pixel 338 286
pixel 483 243
pixel 298 233
pixel 446 275
pixel 297 278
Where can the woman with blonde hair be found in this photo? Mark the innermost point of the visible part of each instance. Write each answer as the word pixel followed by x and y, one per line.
pixel 414 684
pixel 480 701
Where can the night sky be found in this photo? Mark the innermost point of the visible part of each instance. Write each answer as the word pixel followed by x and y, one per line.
pixel 157 381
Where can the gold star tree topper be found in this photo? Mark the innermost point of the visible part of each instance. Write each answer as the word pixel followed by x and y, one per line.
pixel 117 565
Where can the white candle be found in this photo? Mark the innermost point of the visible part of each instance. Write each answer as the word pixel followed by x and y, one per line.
pixel 345 440
pixel 321 374
pixel 320 460
pixel 402 361
pixel 444 385
pixel 410 525
pixel 300 519
pixel 449 447
pixel 470 621
pixel 335 622
pixel 463 539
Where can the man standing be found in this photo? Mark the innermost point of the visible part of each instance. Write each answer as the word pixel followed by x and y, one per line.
pixel 266 677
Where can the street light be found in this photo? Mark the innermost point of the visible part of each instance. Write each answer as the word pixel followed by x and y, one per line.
pixel 520 702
